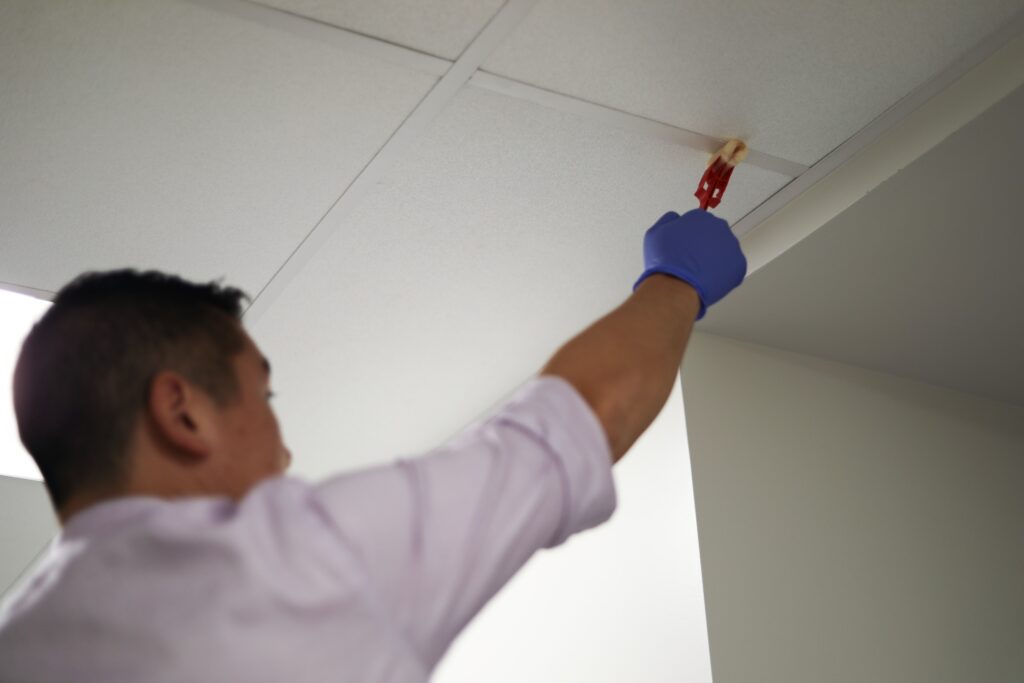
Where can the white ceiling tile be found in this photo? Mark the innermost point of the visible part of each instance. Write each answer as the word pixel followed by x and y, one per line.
pixel 439 27
pixel 171 135
pixel 921 277
pixel 794 78
pixel 506 230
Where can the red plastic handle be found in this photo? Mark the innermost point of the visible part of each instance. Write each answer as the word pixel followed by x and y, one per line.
pixel 713 183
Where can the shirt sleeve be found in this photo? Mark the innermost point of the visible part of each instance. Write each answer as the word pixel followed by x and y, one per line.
pixel 439 535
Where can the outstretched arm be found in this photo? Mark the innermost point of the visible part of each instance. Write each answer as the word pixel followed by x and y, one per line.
pixel 435 537
pixel 624 365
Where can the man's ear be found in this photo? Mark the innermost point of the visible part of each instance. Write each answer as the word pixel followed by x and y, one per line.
pixel 181 414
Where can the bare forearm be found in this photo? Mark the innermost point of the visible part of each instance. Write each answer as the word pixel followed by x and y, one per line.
pixel 625 364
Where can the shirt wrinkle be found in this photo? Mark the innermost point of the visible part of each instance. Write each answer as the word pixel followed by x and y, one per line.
pixel 563 481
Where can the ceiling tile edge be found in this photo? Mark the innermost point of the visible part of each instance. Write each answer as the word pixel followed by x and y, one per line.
pixel 415 125
pixel 35 293
pixel 627 121
pixel 321 31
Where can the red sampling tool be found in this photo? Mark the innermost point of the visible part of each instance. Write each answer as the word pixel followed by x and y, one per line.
pixel 716 177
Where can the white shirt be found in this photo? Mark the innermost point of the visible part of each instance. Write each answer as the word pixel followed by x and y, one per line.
pixel 367 576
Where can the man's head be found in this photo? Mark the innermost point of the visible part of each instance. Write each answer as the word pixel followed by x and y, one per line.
pixel 143 383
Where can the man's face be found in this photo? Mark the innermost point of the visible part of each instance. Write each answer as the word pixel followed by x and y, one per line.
pixel 250 437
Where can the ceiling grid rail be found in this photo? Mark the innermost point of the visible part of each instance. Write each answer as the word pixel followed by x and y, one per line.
pixel 413 127
pixel 400 55
pixel 314 29
pixel 34 292
pixel 633 123
pixel 466 71
pixel 454 77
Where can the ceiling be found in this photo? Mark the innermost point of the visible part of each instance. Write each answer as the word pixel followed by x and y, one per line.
pixel 921 277
pixel 444 28
pixel 175 136
pixel 793 78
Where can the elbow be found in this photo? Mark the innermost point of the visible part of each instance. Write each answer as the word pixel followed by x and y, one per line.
pixel 610 411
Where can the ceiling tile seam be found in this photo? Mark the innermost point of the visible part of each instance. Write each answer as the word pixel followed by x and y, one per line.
pixel 34 292
pixel 628 121
pixel 415 125
pixel 324 32
pixel 882 123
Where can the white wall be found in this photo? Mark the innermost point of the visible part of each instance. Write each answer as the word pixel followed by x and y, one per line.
pixel 854 526
pixel 27 523
pixel 620 603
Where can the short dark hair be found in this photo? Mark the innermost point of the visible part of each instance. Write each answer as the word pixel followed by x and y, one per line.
pixel 85 369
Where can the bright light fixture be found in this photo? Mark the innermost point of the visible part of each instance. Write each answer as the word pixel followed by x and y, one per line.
pixel 19 313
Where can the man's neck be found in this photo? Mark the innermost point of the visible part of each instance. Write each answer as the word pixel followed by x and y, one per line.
pixel 77 503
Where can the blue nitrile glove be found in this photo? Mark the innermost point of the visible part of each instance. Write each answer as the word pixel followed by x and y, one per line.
pixel 698 248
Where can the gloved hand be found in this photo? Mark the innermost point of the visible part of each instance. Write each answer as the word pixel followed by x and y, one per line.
pixel 698 248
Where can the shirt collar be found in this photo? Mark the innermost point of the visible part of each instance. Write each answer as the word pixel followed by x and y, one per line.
pixel 108 514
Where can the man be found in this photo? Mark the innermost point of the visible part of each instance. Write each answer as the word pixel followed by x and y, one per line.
pixel 185 555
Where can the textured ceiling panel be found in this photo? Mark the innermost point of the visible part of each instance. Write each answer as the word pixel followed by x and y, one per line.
pixel 439 27
pixel 794 78
pixel 165 134
pixel 506 230
pixel 922 277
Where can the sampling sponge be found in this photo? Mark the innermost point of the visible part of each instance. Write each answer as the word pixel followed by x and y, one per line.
pixel 716 177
